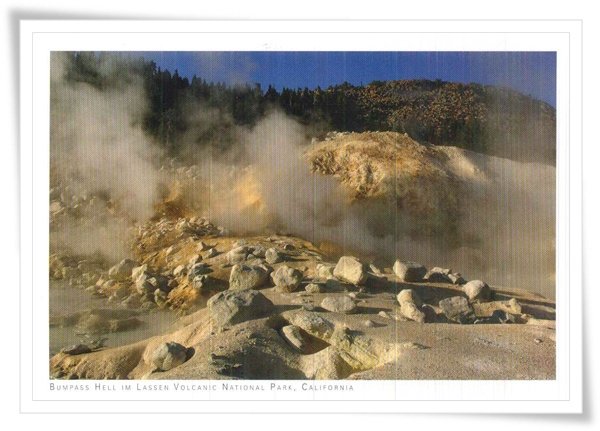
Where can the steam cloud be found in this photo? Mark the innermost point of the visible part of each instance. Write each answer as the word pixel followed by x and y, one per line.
pixel 263 184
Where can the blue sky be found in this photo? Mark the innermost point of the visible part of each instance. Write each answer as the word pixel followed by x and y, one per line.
pixel 532 73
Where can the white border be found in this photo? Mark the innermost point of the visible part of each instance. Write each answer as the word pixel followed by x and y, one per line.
pixel 38 38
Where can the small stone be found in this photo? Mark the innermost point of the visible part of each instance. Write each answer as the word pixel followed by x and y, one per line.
pixel 339 304
pixel 169 355
pixel 237 255
pixel 202 246
pixel 293 335
pixel 286 279
pixel 76 349
pixel 409 295
pixel 412 312
pixel 272 256
pixel 314 288
pixel 538 341
pixel 212 252
pixel 369 323
pixel 180 270
pixel 122 271
pixel 438 275
pixel 324 271
pixel 477 290
pixel 409 271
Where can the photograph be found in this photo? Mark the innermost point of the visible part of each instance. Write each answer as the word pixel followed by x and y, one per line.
pixel 302 215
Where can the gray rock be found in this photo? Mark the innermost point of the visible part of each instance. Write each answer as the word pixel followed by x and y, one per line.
pixel 203 283
pixel 212 252
pixel 409 271
pixel 293 335
pixel 286 279
pixel 457 309
pixel 137 271
pixel 477 290
pixel 272 256
pixel 369 323
pixel 169 355
pixel 197 269
pixel 76 349
pixel 236 306
pixel 339 304
pixel 314 288
pixel 313 323
pixel 350 270
pixel 122 270
pixel 247 277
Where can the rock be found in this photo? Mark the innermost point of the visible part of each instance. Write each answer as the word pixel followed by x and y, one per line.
pixel 203 283
pixel 169 355
pixel 76 349
pixel 202 246
pixel 199 268
pixel 237 255
pixel 122 270
pixel 438 275
pixel 258 251
pixel 411 311
pixel 293 335
pixel 288 247
pixel 456 278
pixel 350 270
pixel 212 252
pixel 409 295
pixel 194 260
pixel 137 271
pixel 247 277
pixel 374 269
pixel 286 279
pixel 236 306
pixel 501 316
pixel 313 323
pixel 339 304
pixel 314 288
pixel 239 243
pixel 477 290
pixel 369 323
pixel 457 309
pixel 409 271
pixel 324 271
pixel 272 256
pixel 180 270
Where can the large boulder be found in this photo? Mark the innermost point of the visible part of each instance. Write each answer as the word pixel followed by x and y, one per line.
pixel 457 309
pixel 247 277
pixel 409 271
pixel 236 306
pixel 286 279
pixel 350 270
pixel 122 270
pixel 477 290
pixel 169 355
pixel 339 304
